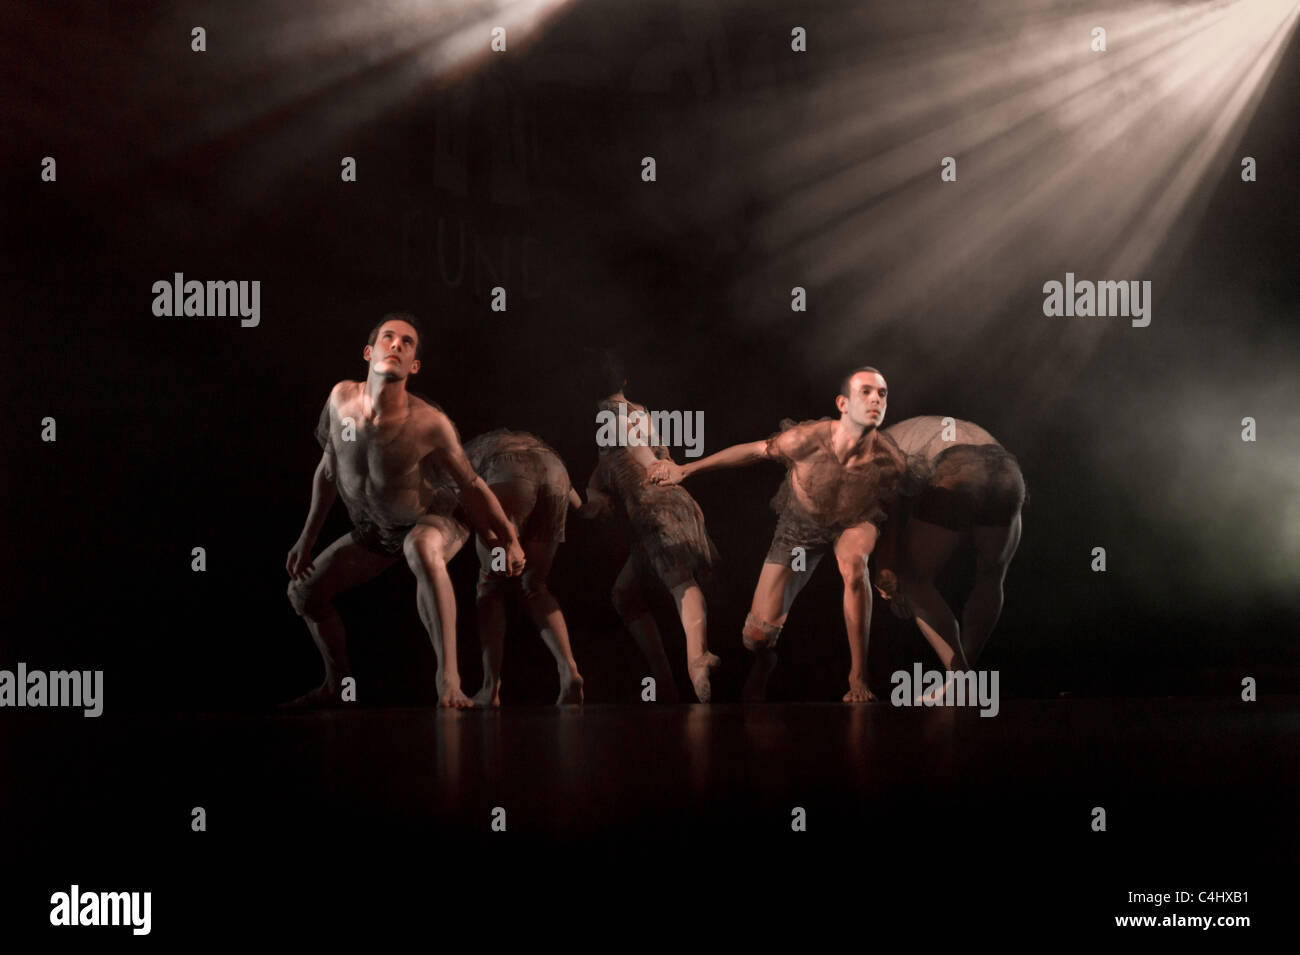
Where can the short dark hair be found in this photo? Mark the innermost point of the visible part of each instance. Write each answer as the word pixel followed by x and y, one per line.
pixel 400 317
pixel 844 382
pixel 604 370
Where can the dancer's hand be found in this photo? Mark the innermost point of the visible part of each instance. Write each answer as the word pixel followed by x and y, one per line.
pixel 515 559
pixel 666 472
pixel 299 563
pixel 887 584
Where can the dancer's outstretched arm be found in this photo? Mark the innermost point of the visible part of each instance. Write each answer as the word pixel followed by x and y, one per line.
pixel 736 456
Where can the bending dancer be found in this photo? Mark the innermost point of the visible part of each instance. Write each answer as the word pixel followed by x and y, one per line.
pixel 974 492
pixel 530 481
pixel 393 458
pixel 670 540
pixel 842 477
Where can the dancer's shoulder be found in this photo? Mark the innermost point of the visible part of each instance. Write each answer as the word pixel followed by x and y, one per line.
pixel 796 439
pixel 344 391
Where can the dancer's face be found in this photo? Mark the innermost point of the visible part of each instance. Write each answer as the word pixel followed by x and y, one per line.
pixel 866 401
pixel 392 356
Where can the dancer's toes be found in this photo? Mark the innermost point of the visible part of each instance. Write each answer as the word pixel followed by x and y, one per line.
pixel 858 693
pixel 701 670
pixel 453 697
pixel 570 689
pixel 490 695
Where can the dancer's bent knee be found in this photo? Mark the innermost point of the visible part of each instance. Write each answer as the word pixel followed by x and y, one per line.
pixel 759 634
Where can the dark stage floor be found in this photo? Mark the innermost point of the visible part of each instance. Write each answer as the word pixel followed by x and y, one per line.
pixel 1198 794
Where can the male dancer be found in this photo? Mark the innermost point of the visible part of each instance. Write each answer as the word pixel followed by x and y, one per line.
pixel 974 492
pixel 530 480
pixel 388 453
pixel 842 477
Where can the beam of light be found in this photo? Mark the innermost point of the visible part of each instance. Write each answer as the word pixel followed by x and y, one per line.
pixel 314 79
pixel 1068 160
pixel 280 84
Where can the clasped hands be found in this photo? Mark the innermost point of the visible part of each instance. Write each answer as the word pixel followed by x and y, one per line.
pixel 665 471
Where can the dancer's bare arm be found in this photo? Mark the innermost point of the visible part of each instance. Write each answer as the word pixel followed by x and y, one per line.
pixel 480 503
pixel 323 492
pixel 736 456
pixel 885 559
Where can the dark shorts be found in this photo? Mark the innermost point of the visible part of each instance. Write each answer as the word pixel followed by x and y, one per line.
pixel 972 485
pixel 386 539
pixel 795 529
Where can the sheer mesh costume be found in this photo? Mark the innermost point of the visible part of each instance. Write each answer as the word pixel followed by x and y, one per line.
pixel 374 529
pixel 668 526
pixel 970 480
pixel 837 498
pixel 539 500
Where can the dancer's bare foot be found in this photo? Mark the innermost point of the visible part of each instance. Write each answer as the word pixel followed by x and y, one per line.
pixel 490 695
pixel 755 690
pixel 570 688
pixel 701 669
pixel 453 697
pixel 858 692
pixel 325 696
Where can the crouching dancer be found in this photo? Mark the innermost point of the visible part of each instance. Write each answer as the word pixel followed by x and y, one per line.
pixel 393 458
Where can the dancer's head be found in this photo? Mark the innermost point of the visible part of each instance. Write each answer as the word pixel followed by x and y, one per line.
pixel 863 397
pixel 605 372
pixel 394 347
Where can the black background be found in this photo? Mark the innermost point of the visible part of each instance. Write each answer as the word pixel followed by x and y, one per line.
pixel 181 433
pixel 176 433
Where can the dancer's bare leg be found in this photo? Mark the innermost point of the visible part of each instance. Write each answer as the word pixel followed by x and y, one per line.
pixel 547 617
pixel 629 601
pixel 774 595
pixel 428 547
pixel 994 548
pixel 700 663
pixel 341 566
pixel 492 593
pixel 929 547
pixel 852 551
pixel 490 610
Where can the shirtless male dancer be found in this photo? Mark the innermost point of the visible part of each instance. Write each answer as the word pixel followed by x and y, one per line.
pixel 842 477
pixel 388 454
pixel 974 491
pixel 530 480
